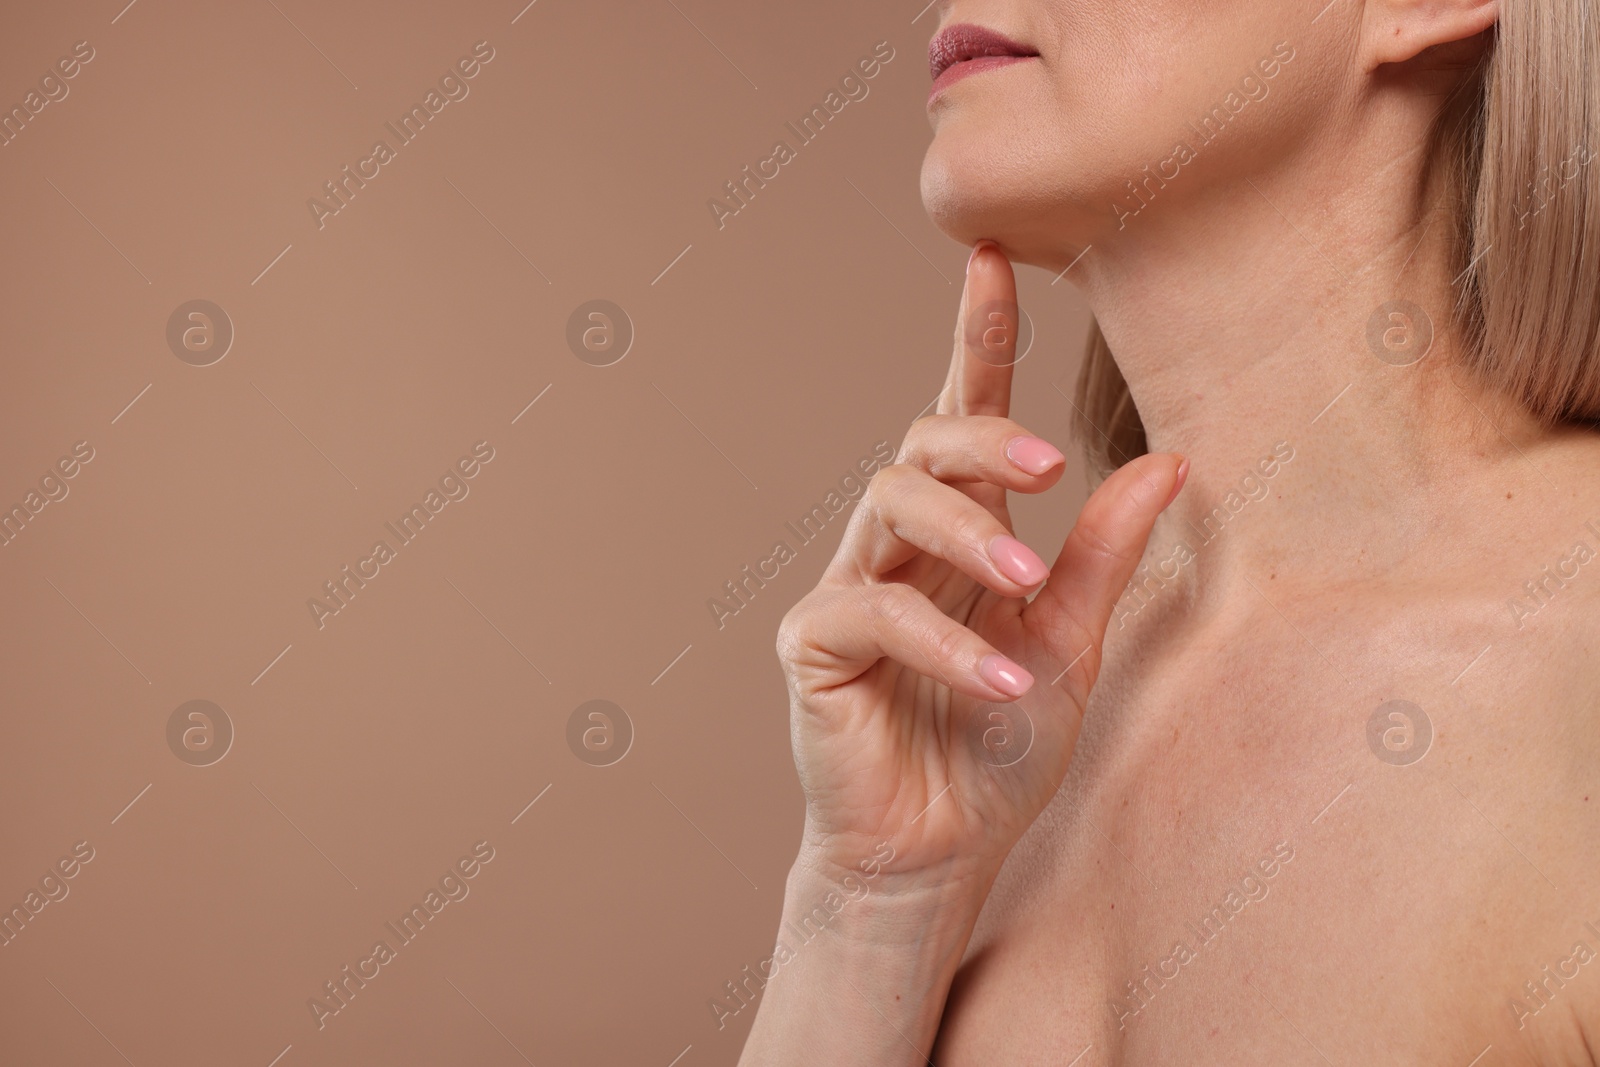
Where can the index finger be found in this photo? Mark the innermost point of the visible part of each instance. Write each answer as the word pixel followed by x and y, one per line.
pixel 979 382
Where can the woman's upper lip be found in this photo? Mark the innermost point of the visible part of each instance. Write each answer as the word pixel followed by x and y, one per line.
pixel 964 41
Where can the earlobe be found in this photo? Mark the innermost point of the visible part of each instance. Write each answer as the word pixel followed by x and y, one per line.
pixel 1401 30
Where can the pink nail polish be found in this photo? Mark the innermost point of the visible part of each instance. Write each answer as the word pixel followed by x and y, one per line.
pixel 1004 675
pixel 1033 455
pixel 1017 561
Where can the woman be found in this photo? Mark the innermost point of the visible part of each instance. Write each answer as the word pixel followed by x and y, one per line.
pixel 1291 756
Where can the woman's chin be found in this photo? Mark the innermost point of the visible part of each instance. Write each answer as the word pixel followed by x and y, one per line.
pixel 962 204
pixel 969 211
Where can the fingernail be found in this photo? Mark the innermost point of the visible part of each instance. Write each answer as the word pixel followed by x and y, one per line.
pixel 1017 561
pixel 1033 455
pixel 981 243
pixel 1004 675
pixel 1177 483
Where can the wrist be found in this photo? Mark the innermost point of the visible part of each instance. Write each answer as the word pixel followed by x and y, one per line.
pixel 861 964
pixel 877 903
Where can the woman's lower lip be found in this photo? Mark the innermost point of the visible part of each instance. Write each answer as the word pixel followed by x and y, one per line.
pixel 956 71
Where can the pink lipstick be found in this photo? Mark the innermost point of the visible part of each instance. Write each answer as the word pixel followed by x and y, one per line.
pixel 963 49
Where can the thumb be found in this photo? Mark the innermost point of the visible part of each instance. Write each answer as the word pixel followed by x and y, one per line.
pixel 1072 610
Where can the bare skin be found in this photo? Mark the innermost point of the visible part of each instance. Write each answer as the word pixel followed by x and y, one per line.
pixel 1205 852
pixel 1419 898
pixel 1408 902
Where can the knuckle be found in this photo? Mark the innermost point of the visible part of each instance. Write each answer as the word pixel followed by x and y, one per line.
pixel 1094 542
pixel 968 532
pixel 899 605
pixel 786 644
pixel 890 484
pixel 945 446
pixel 920 429
pixel 949 644
pixel 793 629
pixel 927 428
pixel 977 443
pixel 917 445
pixel 965 454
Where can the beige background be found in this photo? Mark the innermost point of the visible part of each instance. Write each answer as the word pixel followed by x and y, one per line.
pixel 370 754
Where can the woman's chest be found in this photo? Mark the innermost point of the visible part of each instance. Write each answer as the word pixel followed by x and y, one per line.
pixel 1250 865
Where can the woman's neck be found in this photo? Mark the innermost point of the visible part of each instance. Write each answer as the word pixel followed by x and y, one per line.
pixel 1260 337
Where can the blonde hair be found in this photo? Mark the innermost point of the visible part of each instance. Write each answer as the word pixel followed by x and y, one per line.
pixel 1515 144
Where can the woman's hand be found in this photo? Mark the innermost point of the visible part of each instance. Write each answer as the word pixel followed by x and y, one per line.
pixel 921 766
pixel 933 707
